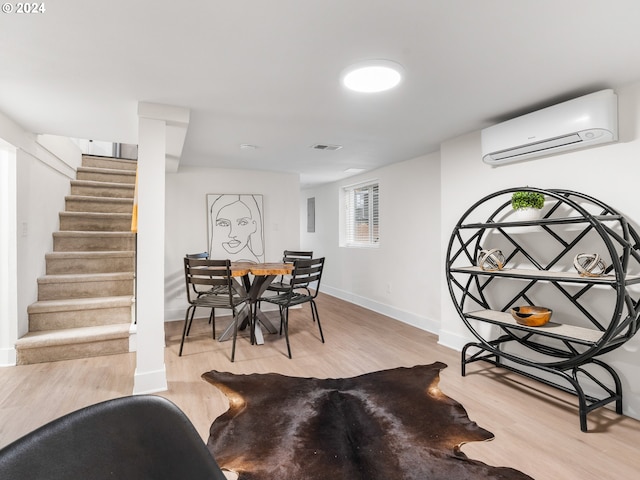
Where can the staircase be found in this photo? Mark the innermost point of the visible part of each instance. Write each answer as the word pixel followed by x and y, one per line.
pixel 85 299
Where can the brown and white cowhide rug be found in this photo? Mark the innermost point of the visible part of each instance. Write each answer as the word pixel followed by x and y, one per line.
pixel 392 424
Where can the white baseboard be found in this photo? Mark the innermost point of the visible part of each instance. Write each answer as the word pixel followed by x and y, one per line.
pixel 133 332
pixel 150 382
pixel 453 340
pixel 7 357
pixel 409 318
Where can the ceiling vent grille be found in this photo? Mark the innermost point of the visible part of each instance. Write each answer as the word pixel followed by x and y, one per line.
pixel 324 146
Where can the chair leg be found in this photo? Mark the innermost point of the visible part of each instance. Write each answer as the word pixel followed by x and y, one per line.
pixel 235 334
pixel 187 326
pixel 212 321
pixel 286 330
pixel 281 318
pixel 193 311
pixel 316 317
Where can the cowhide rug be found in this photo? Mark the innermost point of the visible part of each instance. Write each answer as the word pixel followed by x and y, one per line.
pixel 392 424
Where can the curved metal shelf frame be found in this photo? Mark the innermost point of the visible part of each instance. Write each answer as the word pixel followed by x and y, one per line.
pixel 569 219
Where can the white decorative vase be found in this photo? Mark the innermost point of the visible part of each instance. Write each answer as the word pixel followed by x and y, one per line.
pixel 527 214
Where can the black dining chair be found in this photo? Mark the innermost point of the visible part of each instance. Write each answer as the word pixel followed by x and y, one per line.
pixel 281 283
pixel 212 315
pixel 306 276
pixel 225 292
pixel 130 438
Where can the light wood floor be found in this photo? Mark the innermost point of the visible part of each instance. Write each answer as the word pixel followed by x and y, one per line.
pixel 536 428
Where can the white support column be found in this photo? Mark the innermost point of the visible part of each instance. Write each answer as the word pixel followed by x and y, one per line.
pixel 150 375
pixel 8 255
pixel 161 133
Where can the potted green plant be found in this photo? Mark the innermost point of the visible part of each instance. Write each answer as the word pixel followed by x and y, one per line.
pixel 527 205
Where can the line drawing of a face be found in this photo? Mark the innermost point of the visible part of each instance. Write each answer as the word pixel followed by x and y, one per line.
pixel 236 228
pixel 235 219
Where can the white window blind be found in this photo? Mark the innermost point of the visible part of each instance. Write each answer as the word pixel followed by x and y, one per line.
pixel 361 215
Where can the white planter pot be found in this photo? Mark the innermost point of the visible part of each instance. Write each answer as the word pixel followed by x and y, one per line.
pixel 526 214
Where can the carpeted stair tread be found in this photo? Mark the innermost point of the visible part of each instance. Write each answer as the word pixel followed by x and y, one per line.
pixel 68 305
pixel 113 171
pixel 85 277
pixel 67 336
pixel 106 215
pixel 88 234
pixel 91 254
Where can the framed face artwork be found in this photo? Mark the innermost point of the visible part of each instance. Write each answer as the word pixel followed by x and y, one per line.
pixel 235 227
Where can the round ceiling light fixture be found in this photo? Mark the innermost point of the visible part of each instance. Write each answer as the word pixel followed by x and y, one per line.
pixel 372 76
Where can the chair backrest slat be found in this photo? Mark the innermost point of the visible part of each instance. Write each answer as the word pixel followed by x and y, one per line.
pixel 197 255
pixel 291 255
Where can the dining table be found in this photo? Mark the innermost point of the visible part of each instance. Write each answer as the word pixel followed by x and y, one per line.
pixel 256 278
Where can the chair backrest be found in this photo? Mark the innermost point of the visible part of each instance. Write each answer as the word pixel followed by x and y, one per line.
pixel 306 272
pixel 197 255
pixel 290 256
pixel 130 438
pixel 207 273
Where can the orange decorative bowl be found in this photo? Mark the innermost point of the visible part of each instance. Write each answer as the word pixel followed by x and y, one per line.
pixel 531 316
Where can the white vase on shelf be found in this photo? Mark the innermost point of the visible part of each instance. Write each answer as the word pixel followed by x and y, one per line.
pixel 526 214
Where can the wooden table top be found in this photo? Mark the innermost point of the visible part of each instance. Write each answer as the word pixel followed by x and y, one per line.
pixel 239 269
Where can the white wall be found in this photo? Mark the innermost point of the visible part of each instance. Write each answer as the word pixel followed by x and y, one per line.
pixel 401 277
pixel 186 218
pixel 43 172
pixel 8 249
pixel 609 173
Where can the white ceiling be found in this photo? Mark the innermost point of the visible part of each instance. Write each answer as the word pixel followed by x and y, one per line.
pixel 266 72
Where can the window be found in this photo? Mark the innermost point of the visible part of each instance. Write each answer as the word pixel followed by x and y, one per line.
pixel 361 215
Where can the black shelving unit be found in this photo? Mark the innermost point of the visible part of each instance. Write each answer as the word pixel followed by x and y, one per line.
pixel 592 315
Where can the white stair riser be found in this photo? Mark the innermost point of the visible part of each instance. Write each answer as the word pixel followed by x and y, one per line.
pixel 76 221
pixel 87 242
pixel 71 351
pixel 84 289
pixel 84 264
pixel 98 204
pixel 106 176
pixel 102 190
pixel 106 162
pixel 78 318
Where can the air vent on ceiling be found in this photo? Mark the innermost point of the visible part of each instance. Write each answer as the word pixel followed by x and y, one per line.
pixel 323 146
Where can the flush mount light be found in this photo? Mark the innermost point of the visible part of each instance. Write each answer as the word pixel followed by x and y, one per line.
pixel 248 146
pixel 372 76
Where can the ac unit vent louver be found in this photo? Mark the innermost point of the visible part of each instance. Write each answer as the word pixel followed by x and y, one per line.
pixel 321 146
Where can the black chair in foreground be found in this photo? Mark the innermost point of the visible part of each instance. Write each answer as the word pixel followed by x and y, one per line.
pixel 226 292
pixel 305 273
pixel 130 438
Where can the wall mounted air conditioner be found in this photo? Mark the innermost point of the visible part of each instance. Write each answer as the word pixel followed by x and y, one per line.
pixel 578 123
